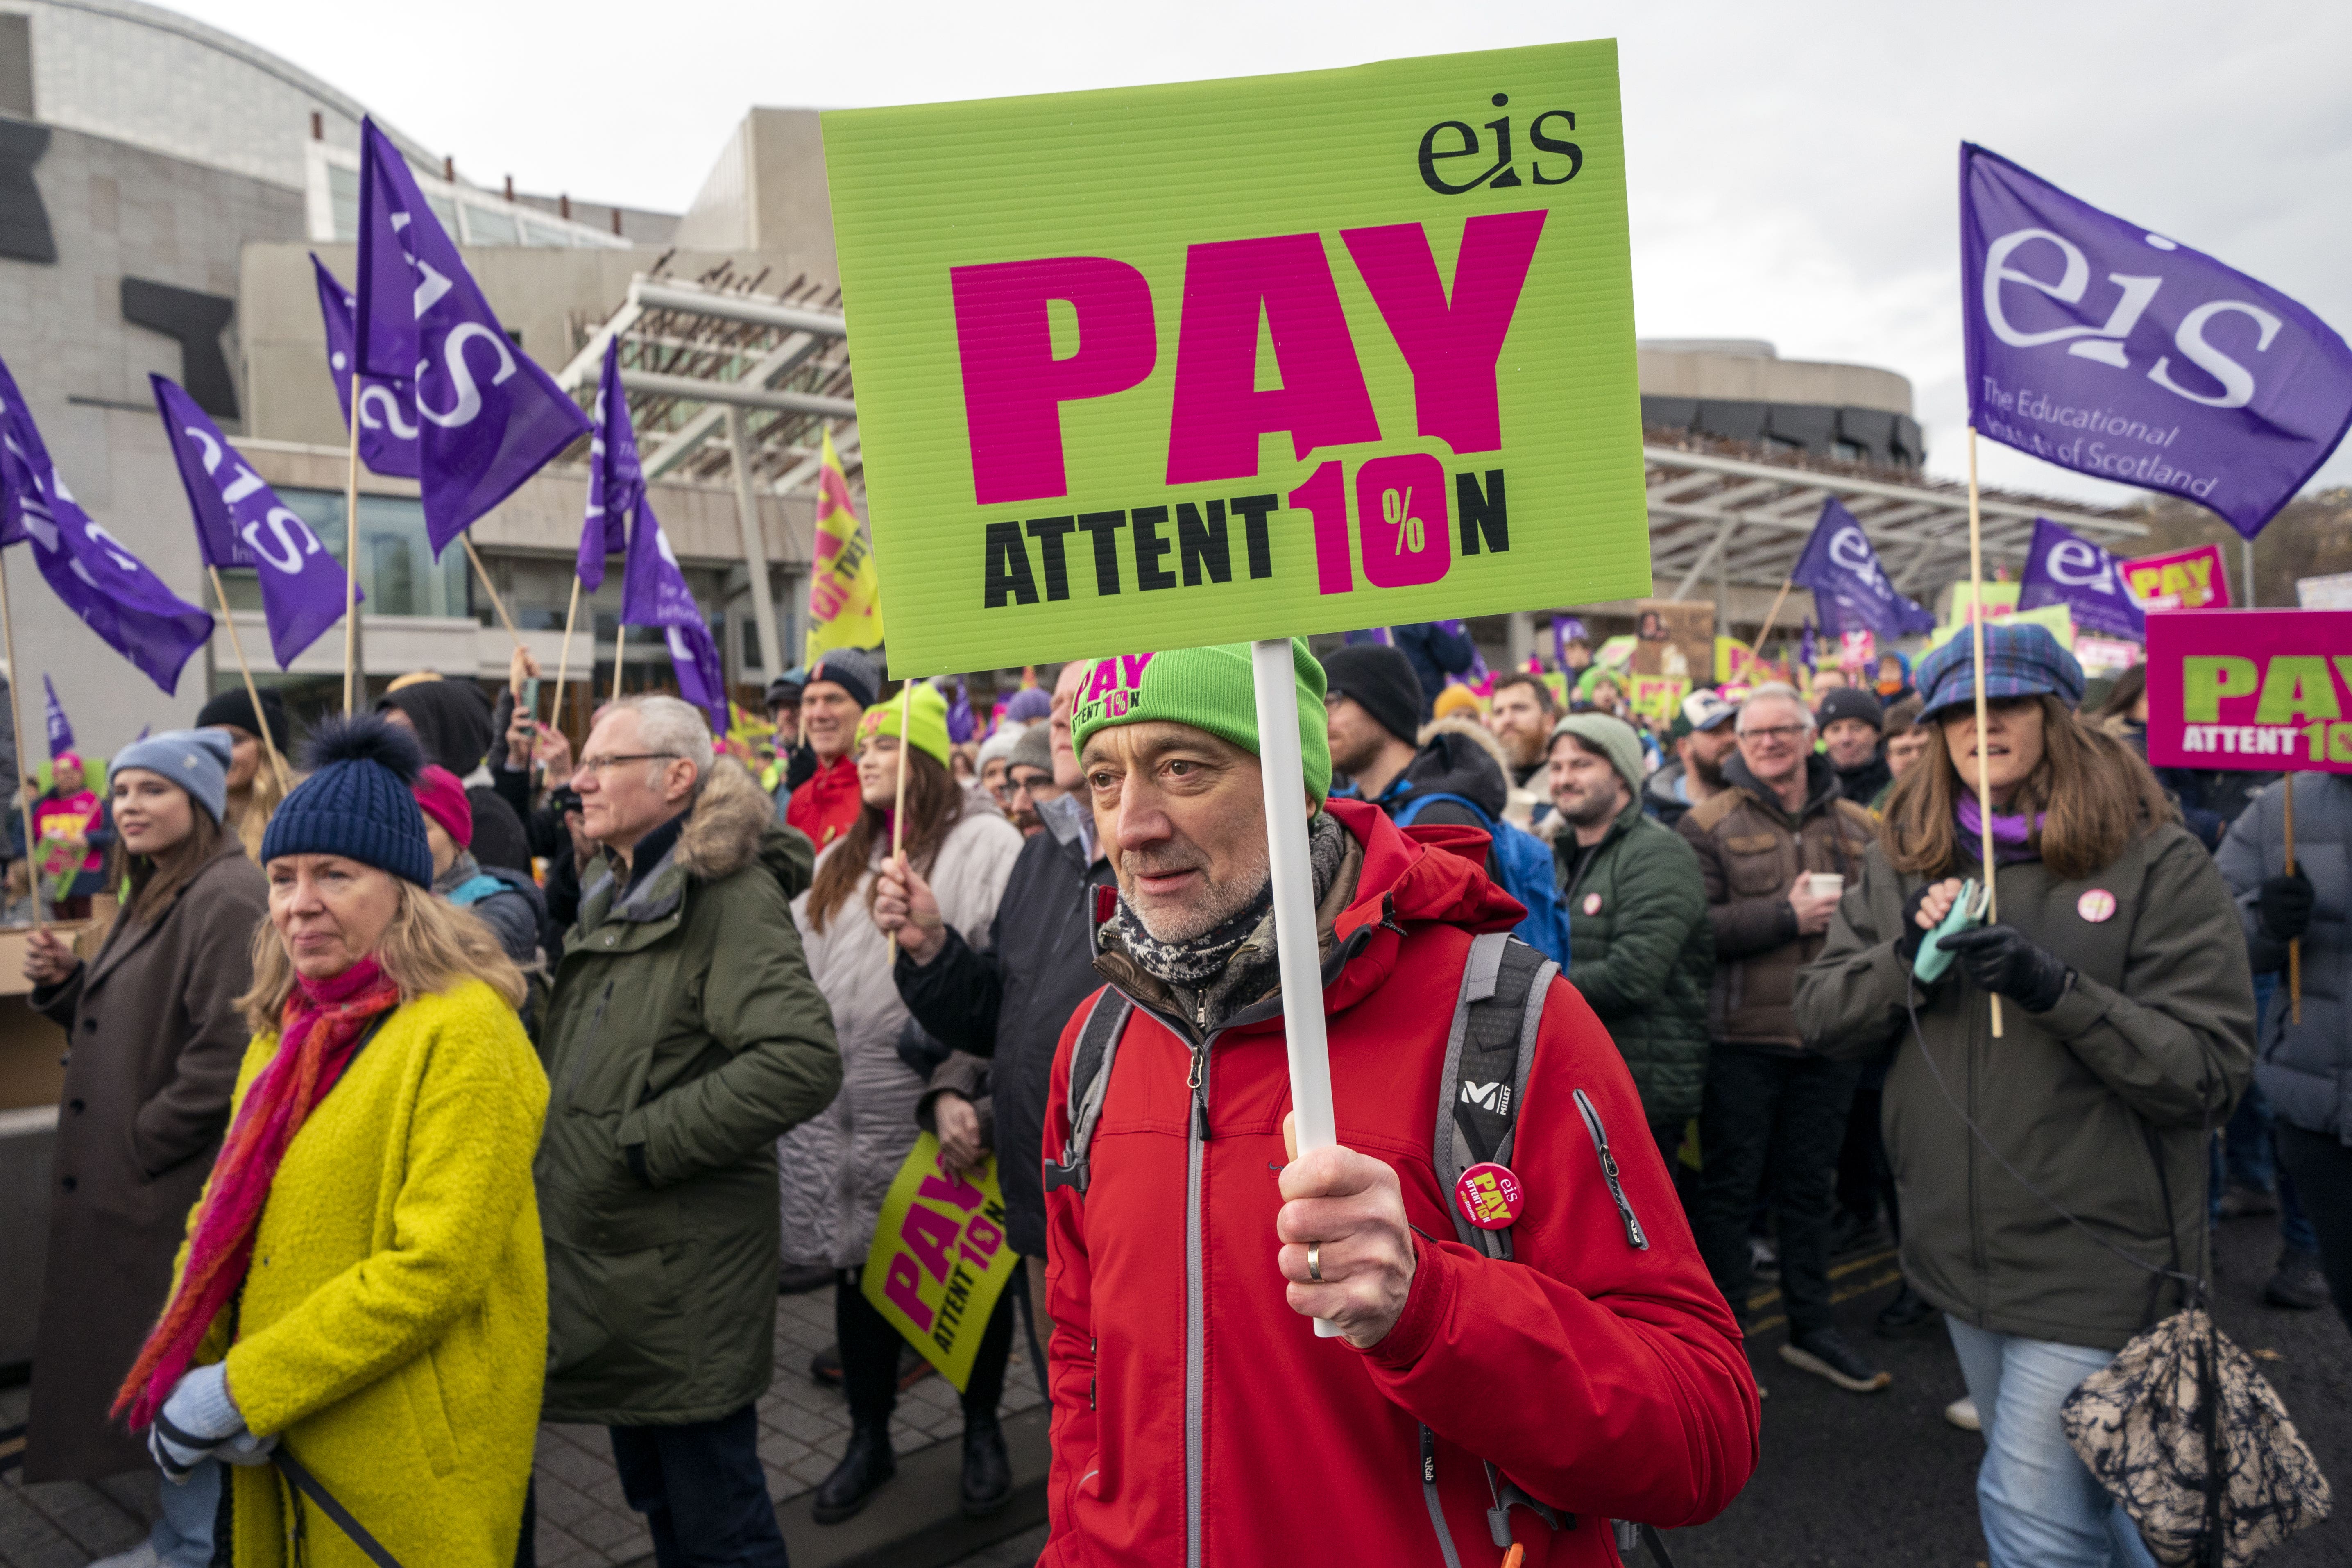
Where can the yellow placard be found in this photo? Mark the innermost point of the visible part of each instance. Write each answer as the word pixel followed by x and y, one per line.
pixel 940 1260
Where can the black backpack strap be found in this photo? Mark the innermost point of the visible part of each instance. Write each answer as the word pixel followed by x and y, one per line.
pixel 1488 1054
pixel 1090 1064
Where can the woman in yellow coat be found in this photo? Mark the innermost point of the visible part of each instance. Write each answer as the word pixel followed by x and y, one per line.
pixel 367 1252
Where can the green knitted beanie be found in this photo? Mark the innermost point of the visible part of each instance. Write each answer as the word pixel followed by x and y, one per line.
pixel 1210 689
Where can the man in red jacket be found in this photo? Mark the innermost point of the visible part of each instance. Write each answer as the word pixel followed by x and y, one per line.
pixel 1473 1403
pixel 842 684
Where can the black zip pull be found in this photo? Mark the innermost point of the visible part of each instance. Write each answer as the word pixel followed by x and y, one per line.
pixel 1201 1117
pixel 1428 1456
pixel 1609 1172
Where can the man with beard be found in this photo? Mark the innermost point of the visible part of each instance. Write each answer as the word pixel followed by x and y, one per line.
pixel 1703 738
pixel 1594 1373
pixel 1030 774
pixel 1373 730
pixel 1851 722
pixel 1639 947
pixel 1520 714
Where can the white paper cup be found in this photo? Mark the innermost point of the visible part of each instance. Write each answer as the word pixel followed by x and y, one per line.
pixel 1828 882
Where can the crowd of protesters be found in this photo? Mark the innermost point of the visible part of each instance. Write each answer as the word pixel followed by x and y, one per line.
pixel 429 1082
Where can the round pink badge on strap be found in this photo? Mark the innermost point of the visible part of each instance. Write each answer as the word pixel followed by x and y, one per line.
pixel 1591 903
pixel 2096 905
pixel 1489 1195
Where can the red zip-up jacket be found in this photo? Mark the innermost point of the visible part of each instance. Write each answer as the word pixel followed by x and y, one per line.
pixel 826 806
pixel 1197 1419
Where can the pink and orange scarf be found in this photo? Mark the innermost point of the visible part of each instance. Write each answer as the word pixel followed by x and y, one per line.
pixel 321 1025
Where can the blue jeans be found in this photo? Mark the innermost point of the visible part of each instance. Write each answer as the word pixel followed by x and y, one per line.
pixel 702 1490
pixel 2040 1505
pixel 183 1538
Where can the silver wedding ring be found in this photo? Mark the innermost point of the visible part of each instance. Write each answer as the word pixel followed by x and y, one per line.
pixel 1314 1261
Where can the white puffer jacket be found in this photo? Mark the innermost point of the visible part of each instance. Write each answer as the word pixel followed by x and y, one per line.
pixel 836 1167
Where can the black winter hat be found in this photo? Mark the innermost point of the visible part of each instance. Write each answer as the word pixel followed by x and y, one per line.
pixel 451 717
pixel 853 670
pixel 1381 680
pixel 235 708
pixel 1852 702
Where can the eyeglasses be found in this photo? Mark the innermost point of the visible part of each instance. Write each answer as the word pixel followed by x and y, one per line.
pixel 1773 732
pixel 599 764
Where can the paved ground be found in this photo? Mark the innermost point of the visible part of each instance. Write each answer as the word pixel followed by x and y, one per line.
pixel 1878 1480
pixel 583 1520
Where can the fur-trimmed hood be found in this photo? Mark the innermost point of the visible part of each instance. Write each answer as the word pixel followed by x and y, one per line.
pixel 725 823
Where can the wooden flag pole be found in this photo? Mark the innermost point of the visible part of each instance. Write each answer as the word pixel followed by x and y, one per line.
pixel 268 741
pixel 563 659
pixel 492 589
pixel 16 722
pixel 898 812
pixel 1976 632
pixel 1282 767
pixel 620 657
pixel 1774 613
pixel 352 561
pixel 2294 948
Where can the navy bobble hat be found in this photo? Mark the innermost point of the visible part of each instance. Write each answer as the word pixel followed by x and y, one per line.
pixel 357 802
pixel 2020 661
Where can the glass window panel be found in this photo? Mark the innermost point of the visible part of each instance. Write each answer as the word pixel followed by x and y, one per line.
pixel 397 571
pixel 487 226
pixel 343 195
pixel 445 211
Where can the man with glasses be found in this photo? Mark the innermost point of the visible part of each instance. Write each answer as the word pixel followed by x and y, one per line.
pixel 1775 847
pixel 684 1037
pixel 1029 779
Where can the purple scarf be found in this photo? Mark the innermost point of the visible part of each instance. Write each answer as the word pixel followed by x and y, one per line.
pixel 2012 836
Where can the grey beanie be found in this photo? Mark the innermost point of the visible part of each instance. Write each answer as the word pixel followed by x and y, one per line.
pixel 1035 749
pixel 998 747
pixel 1613 738
pixel 195 760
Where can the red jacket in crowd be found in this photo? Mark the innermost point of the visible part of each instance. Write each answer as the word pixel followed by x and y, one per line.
pixel 824 807
pixel 1198 1420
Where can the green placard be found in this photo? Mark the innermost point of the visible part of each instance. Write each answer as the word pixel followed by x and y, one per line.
pixel 1171 365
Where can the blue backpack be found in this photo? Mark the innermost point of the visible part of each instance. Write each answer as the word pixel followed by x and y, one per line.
pixel 1525 862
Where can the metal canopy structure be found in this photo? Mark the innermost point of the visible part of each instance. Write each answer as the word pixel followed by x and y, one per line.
pixel 692 351
pixel 1740 516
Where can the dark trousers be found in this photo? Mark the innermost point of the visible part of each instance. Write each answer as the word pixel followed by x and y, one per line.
pixel 2321 1169
pixel 703 1492
pixel 1772 1124
pixel 1865 1177
pixel 869 1355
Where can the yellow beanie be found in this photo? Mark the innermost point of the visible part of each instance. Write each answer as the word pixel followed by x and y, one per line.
pixel 1456 700
pixel 926 720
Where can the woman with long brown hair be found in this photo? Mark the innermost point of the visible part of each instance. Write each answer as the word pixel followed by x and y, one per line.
pixel 2052 1180
pixel 363 1288
pixel 155 1038
pixel 837 1166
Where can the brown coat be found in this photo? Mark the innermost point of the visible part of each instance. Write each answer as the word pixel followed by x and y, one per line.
pixel 1749 851
pixel 156 1044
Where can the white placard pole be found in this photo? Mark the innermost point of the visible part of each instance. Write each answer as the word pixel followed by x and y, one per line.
pixel 1297 942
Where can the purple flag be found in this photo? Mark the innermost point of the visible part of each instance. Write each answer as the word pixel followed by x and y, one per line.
pixel 654 593
pixel 2105 349
pixel 960 722
pixel 240 521
pixel 489 417
pixel 2065 569
pixel 105 585
pixel 387 408
pixel 1851 592
pixel 60 730
pixel 1808 648
pixel 616 481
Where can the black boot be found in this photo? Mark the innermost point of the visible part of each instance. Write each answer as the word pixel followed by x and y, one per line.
pixel 862 1470
pixel 987 1468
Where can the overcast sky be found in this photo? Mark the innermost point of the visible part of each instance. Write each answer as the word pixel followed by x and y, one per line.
pixel 1792 166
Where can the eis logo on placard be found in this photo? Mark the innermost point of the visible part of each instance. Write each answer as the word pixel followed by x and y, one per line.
pixel 1449 140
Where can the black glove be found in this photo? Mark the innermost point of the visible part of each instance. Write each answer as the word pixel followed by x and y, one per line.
pixel 2285 906
pixel 2000 958
pixel 1907 940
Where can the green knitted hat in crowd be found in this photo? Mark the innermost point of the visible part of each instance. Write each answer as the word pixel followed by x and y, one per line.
pixel 1210 689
